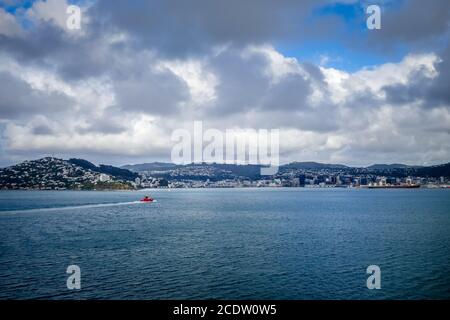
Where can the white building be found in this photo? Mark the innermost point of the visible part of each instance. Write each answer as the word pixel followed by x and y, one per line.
pixel 104 177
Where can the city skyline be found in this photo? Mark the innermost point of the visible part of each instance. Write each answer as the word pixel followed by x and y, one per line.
pixel 78 174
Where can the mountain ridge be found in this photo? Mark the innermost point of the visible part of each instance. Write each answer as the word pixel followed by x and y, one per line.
pixel 252 171
pixel 147 166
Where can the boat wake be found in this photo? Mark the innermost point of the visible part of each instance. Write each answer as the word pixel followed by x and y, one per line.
pixel 85 206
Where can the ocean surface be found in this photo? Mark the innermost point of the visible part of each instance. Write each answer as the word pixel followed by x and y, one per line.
pixel 226 244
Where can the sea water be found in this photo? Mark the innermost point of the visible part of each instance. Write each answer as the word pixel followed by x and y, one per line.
pixel 269 243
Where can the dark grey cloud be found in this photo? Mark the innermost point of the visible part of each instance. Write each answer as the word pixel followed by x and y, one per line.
pixel 413 25
pixel 37 44
pixel 108 124
pixel 314 72
pixel 440 86
pixel 72 57
pixel 413 21
pixel 180 28
pixel 434 92
pixel 42 130
pixel 290 93
pixel 242 82
pixel 245 83
pixel 47 46
pixel 20 100
pixel 411 92
pixel 157 93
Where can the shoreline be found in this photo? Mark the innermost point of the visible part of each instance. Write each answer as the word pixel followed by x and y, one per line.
pixel 246 188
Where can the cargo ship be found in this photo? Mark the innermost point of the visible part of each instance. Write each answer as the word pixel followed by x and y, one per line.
pixel 400 186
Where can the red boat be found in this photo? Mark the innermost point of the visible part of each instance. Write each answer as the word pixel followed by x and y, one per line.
pixel 147 199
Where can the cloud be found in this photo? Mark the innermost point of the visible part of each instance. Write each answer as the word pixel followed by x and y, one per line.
pixel 53 11
pixel 151 91
pixel 185 28
pixel 137 72
pixel 439 91
pixel 428 85
pixel 8 25
pixel 411 21
pixel 20 100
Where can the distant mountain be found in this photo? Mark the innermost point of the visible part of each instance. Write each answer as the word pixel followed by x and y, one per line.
pixel 231 171
pixel 205 170
pixel 200 171
pixel 401 170
pixel 52 173
pixel 442 170
pixel 314 165
pixel 389 166
pixel 153 166
pixel 251 171
pixel 119 173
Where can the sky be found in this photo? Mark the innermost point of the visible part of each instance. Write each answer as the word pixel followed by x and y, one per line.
pixel 115 90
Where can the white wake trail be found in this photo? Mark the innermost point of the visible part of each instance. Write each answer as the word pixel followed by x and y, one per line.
pixel 85 206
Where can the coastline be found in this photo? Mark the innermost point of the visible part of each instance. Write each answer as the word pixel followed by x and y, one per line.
pixel 246 188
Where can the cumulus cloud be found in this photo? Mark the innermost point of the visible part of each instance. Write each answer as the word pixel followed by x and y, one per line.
pixel 53 11
pixel 135 73
pixel 20 99
pixel 9 27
